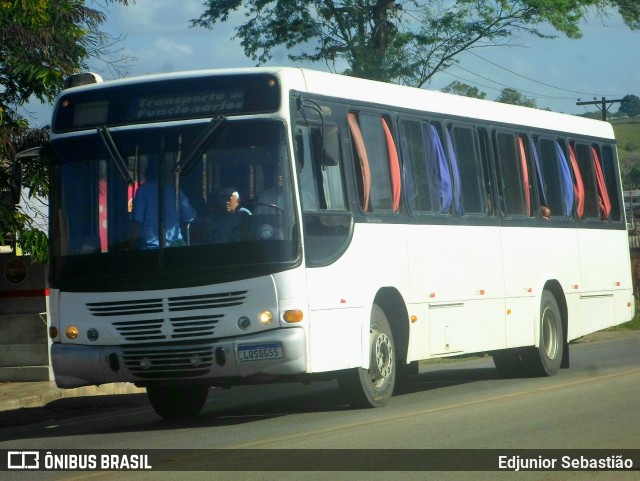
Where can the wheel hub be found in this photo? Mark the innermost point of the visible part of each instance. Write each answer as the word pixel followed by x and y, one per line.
pixel 549 336
pixel 382 359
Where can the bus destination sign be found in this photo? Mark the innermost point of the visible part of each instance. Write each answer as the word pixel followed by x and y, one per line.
pixel 198 104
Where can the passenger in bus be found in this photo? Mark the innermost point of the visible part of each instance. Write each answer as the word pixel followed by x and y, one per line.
pixel 231 200
pixel 229 222
pixel 145 229
pixel 545 212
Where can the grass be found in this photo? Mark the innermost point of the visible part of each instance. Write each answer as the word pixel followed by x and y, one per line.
pixel 628 136
pixel 632 325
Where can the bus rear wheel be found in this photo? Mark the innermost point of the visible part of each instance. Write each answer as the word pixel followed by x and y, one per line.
pixel 373 387
pixel 509 363
pixel 172 402
pixel 546 359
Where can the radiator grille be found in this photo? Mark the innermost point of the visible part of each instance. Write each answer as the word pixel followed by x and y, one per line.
pixel 162 363
pixel 160 319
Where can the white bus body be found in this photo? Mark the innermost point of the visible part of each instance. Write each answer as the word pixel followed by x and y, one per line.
pixel 449 282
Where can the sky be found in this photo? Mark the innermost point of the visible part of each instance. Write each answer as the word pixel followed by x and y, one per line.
pixel 555 73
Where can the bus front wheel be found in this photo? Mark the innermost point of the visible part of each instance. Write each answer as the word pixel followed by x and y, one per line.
pixel 172 402
pixel 373 387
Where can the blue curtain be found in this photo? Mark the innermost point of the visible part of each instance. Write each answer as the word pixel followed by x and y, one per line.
pixel 566 180
pixel 439 176
pixel 457 187
pixel 541 184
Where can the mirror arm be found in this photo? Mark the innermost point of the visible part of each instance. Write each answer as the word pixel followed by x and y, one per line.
pixel 310 104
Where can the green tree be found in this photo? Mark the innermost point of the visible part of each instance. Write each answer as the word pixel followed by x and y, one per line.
pixel 512 96
pixel 42 42
pixel 630 106
pixel 460 88
pixel 403 42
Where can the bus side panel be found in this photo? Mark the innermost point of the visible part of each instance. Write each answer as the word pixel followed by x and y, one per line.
pixel 336 338
pixel 533 256
pixel 457 271
pixel 485 329
pixel 604 258
pixel 341 295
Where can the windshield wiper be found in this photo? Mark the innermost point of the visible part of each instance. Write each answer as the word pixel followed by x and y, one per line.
pixel 186 164
pixel 114 153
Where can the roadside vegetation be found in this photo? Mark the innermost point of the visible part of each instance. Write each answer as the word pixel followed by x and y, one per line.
pixel 632 325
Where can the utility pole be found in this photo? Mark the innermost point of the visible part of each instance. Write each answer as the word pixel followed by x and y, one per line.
pixel 601 104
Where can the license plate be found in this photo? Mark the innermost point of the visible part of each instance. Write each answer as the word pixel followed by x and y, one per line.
pixel 260 352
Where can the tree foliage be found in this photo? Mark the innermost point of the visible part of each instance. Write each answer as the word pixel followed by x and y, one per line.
pixel 466 90
pixel 514 97
pixel 630 106
pixel 41 42
pixel 403 41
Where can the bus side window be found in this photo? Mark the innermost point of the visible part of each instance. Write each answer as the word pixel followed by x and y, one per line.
pixel 603 193
pixel 607 157
pixel 545 210
pixel 414 172
pixel 555 180
pixel 362 169
pixel 578 184
pixel 464 146
pixel 426 173
pixel 394 164
pixel 513 175
pixel 321 181
pixel 484 148
pixel 585 166
pixel 371 126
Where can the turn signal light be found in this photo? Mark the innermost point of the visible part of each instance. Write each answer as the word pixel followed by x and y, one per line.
pixel 292 316
pixel 53 332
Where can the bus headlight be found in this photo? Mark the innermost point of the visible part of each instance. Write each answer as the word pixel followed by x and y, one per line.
pixel 53 332
pixel 265 317
pixel 71 332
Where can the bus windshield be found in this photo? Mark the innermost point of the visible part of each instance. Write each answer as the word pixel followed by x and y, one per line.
pixel 226 195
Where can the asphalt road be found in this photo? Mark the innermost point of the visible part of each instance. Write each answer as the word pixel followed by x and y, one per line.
pixel 458 405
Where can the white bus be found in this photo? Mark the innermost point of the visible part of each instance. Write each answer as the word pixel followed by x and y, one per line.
pixel 382 225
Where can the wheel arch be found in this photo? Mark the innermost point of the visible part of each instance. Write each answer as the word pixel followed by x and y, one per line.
pixel 554 287
pixel 392 303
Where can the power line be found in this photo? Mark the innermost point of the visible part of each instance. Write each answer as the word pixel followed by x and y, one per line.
pixel 538 95
pixel 446 72
pixel 531 79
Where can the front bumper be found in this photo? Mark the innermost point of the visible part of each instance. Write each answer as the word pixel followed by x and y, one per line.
pixel 81 365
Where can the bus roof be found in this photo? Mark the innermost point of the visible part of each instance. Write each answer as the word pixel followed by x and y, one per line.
pixel 433 101
pixel 452 105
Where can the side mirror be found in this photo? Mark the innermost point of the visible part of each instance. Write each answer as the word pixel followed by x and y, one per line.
pixel 325 144
pixel 16 174
pixel 331 146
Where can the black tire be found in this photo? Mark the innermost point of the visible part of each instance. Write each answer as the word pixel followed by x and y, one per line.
pixel 546 359
pixel 172 402
pixel 509 363
pixel 373 387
